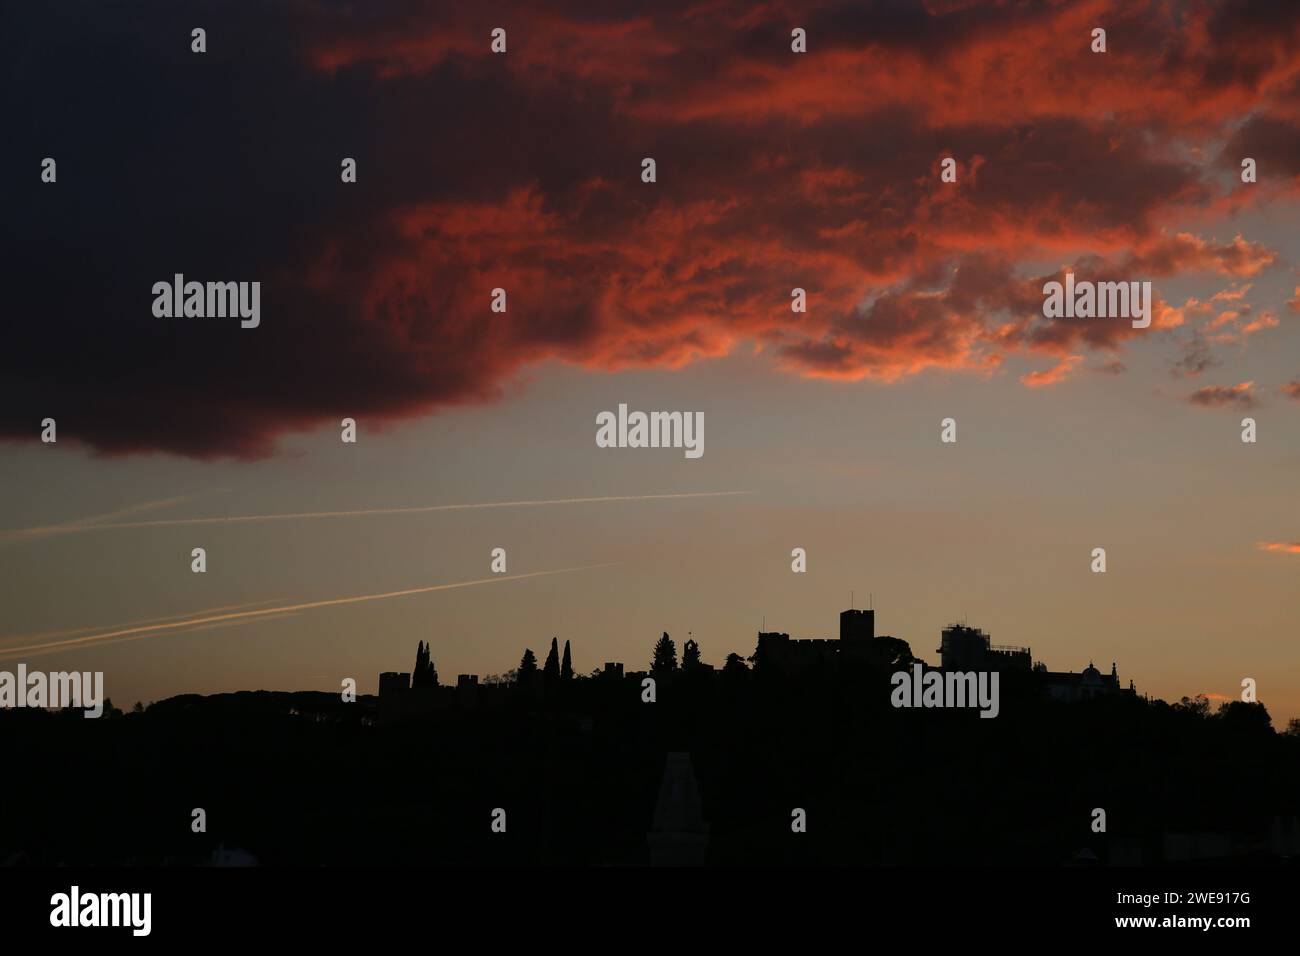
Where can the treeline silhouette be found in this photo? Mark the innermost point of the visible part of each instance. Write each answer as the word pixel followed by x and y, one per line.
pixel 576 762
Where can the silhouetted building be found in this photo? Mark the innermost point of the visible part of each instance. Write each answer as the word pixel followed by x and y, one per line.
pixel 467 691
pixel 858 645
pixel 963 648
pixel 391 682
pixel 776 652
pixel 1071 687
pixel 776 656
pixel 857 625
pixel 401 699
pixel 679 835
pixel 393 688
pixel 969 649
pixel 857 631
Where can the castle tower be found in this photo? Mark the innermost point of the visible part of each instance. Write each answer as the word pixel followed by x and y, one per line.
pixel 857 625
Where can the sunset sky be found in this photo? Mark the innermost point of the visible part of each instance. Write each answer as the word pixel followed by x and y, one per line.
pixel 775 170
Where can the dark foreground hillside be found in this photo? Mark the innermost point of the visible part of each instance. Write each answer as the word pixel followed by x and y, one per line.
pixel 304 778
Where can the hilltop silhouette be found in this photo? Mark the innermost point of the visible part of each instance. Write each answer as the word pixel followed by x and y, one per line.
pixel 589 773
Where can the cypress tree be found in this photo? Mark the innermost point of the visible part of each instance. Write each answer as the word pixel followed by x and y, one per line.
pixel 424 674
pixel 552 669
pixel 566 667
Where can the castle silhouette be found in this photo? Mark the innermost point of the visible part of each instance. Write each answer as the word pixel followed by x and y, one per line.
pixel 795 755
pixel 962 648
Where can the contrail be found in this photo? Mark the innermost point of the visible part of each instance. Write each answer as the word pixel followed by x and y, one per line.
pixel 153 629
pixel 68 631
pixel 132 509
pixel 90 523
pixel 238 519
pixel 53 648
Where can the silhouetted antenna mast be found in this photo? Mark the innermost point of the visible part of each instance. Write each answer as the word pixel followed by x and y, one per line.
pixel 852 606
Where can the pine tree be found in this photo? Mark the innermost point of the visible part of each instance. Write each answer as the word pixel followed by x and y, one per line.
pixel 665 658
pixel 552 670
pixel 566 667
pixel 527 666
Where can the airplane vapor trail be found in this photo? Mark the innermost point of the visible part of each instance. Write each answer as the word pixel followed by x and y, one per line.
pixel 67 632
pixel 239 519
pixel 90 523
pixel 153 629
pixel 188 628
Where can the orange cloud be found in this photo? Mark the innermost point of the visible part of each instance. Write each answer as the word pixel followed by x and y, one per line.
pixel 1218 395
pixel 1051 376
pixel 1266 321
pixel 1283 546
pixel 775 170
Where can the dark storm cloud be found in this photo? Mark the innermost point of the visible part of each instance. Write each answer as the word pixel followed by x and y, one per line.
pixel 522 171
